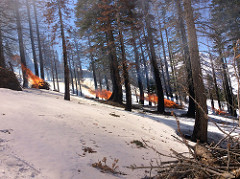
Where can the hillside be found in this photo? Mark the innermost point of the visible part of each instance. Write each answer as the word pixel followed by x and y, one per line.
pixel 43 136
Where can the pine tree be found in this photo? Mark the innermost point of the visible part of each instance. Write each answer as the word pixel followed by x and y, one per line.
pixel 201 120
pixel 54 10
pixel 21 45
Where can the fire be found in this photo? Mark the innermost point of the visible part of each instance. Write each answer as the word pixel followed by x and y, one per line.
pixel 167 103
pixel 104 94
pixel 35 80
pixel 219 112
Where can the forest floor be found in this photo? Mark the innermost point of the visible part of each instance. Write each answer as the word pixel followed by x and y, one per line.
pixel 44 136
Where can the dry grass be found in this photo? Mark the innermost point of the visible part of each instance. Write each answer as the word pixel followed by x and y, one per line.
pixel 102 165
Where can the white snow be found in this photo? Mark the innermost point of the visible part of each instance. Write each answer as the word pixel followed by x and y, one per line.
pixel 43 136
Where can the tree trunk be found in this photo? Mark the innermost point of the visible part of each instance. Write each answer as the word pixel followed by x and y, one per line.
pixel 201 120
pixel 79 72
pixel 64 48
pixel 227 90
pixel 128 106
pixel 106 81
pixel 172 68
pixel 116 80
pixel 93 66
pixel 56 70
pixel 168 87
pixel 153 59
pixel 39 42
pixel 79 82
pixel 2 58
pixel 163 77
pixel 75 76
pixel 52 70
pixel 21 45
pixel 139 74
pixel 71 74
pixel 145 69
pixel 32 39
pixel 187 62
pixel 215 82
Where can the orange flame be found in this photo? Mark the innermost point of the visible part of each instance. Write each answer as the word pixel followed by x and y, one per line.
pixel 105 94
pixel 167 103
pixel 35 80
pixel 219 112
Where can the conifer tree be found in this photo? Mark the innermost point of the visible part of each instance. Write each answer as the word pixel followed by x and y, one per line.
pixel 55 11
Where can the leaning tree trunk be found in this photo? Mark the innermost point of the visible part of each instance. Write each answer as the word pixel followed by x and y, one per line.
pixel 39 42
pixel 32 39
pixel 64 48
pixel 21 45
pixel 187 62
pixel 201 119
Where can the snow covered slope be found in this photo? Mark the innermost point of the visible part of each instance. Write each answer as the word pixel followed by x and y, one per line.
pixel 43 136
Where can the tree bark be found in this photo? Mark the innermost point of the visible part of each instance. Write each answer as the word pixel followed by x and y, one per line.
pixel 201 120
pixel 187 62
pixel 215 82
pixel 52 70
pixel 139 74
pixel 21 45
pixel 56 70
pixel 145 68
pixel 228 93
pixel 71 74
pixel 32 39
pixel 106 81
pixel 114 70
pixel 153 59
pixel 93 67
pixel 168 87
pixel 2 58
pixel 65 59
pixel 75 76
pixel 39 41
pixel 172 68
pixel 128 106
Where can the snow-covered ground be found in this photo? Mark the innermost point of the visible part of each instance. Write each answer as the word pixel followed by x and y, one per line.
pixel 43 136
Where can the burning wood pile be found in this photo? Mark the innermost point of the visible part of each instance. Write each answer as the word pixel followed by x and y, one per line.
pixel 218 161
pixel 36 82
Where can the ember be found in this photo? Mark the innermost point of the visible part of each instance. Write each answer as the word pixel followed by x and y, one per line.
pixel 35 80
pixel 104 94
